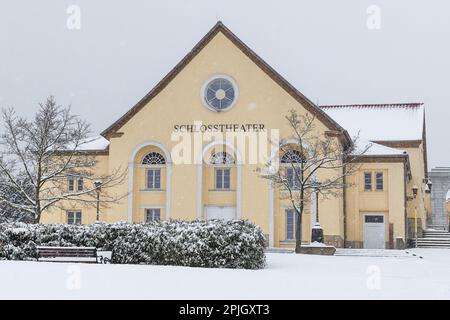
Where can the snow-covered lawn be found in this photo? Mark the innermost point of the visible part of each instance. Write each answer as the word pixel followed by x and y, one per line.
pixel 287 276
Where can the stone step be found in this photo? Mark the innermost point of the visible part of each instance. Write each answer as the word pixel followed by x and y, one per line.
pixel 436 231
pixel 433 246
pixel 433 227
pixel 429 247
pixel 444 240
pixel 388 253
pixel 279 250
pixel 436 235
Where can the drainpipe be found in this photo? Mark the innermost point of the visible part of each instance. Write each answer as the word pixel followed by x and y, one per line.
pixel 406 203
pixel 345 207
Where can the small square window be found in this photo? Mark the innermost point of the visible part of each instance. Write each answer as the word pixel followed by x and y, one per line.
pixel 73 217
pixel 152 215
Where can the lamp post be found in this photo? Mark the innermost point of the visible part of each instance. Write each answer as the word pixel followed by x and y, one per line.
pixel 316 230
pixel 98 188
pixel 415 189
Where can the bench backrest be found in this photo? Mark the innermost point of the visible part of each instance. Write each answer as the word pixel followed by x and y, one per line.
pixel 47 252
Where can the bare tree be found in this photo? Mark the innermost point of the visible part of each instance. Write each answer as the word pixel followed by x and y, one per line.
pixel 303 161
pixel 9 214
pixel 38 157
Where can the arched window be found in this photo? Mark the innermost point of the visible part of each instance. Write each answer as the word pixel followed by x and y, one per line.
pixel 222 175
pixel 222 158
pixel 153 174
pixel 292 172
pixel 153 158
pixel 292 156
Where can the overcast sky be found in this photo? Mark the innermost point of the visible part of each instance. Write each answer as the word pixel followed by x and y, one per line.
pixel 324 48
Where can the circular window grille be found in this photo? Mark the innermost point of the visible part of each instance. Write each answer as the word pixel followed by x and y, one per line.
pixel 153 158
pixel 220 93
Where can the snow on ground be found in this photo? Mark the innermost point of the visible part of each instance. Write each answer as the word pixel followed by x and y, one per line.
pixel 287 276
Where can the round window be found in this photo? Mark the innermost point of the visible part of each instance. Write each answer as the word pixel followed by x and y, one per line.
pixel 219 93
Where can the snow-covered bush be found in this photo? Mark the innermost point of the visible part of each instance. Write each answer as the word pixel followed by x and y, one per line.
pixel 227 244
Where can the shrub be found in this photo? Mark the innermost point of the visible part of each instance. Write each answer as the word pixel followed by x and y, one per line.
pixel 213 244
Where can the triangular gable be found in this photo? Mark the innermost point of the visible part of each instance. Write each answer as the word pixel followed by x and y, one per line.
pixel 220 27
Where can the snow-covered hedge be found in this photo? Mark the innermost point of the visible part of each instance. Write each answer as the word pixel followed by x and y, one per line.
pixel 227 244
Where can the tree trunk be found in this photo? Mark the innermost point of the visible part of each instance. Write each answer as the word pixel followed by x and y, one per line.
pixel 298 231
pixel 37 214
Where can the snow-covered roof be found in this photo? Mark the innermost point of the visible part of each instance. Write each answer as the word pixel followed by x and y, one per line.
pixel 94 144
pixel 376 149
pixel 380 122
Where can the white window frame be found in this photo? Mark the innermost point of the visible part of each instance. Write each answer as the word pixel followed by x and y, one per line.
pixel 153 209
pixel 80 179
pixel 376 180
pixel 208 81
pixel 147 184
pixel 222 182
pixel 74 218
pixel 294 218
pixel 71 184
pixel 371 182
pixel 295 182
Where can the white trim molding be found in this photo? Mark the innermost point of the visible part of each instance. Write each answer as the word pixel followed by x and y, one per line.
pixel 131 166
pixel 208 81
pixel 238 157
pixel 271 215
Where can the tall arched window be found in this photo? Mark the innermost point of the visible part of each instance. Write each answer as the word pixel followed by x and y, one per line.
pixel 223 160
pixel 291 159
pixel 154 161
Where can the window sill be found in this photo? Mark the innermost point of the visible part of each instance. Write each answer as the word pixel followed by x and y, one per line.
pixel 221 190
pixel 287 242
pixel 152 190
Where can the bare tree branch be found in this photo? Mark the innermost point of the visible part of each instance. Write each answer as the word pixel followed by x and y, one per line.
pixel 321 155
pixel 38 156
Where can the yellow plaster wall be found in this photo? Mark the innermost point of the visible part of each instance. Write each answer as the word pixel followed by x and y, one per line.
pixel 388 202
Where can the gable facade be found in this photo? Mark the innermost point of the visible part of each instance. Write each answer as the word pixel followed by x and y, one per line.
pixel 164 183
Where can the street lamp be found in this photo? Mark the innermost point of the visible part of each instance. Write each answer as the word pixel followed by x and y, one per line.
pixel 98 188
pixel 415 190
pixel 429 185
pixel 317 231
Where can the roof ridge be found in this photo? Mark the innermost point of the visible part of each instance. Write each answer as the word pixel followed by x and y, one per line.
pixel 264 66
pixel 376 105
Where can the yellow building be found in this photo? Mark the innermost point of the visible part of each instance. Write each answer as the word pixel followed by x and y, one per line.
pixel 220 87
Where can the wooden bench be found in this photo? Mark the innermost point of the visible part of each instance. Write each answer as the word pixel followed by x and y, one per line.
pixel 67 254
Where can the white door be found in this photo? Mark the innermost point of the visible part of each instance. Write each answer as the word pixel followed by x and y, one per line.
pixel 374 231
pixel 225 213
